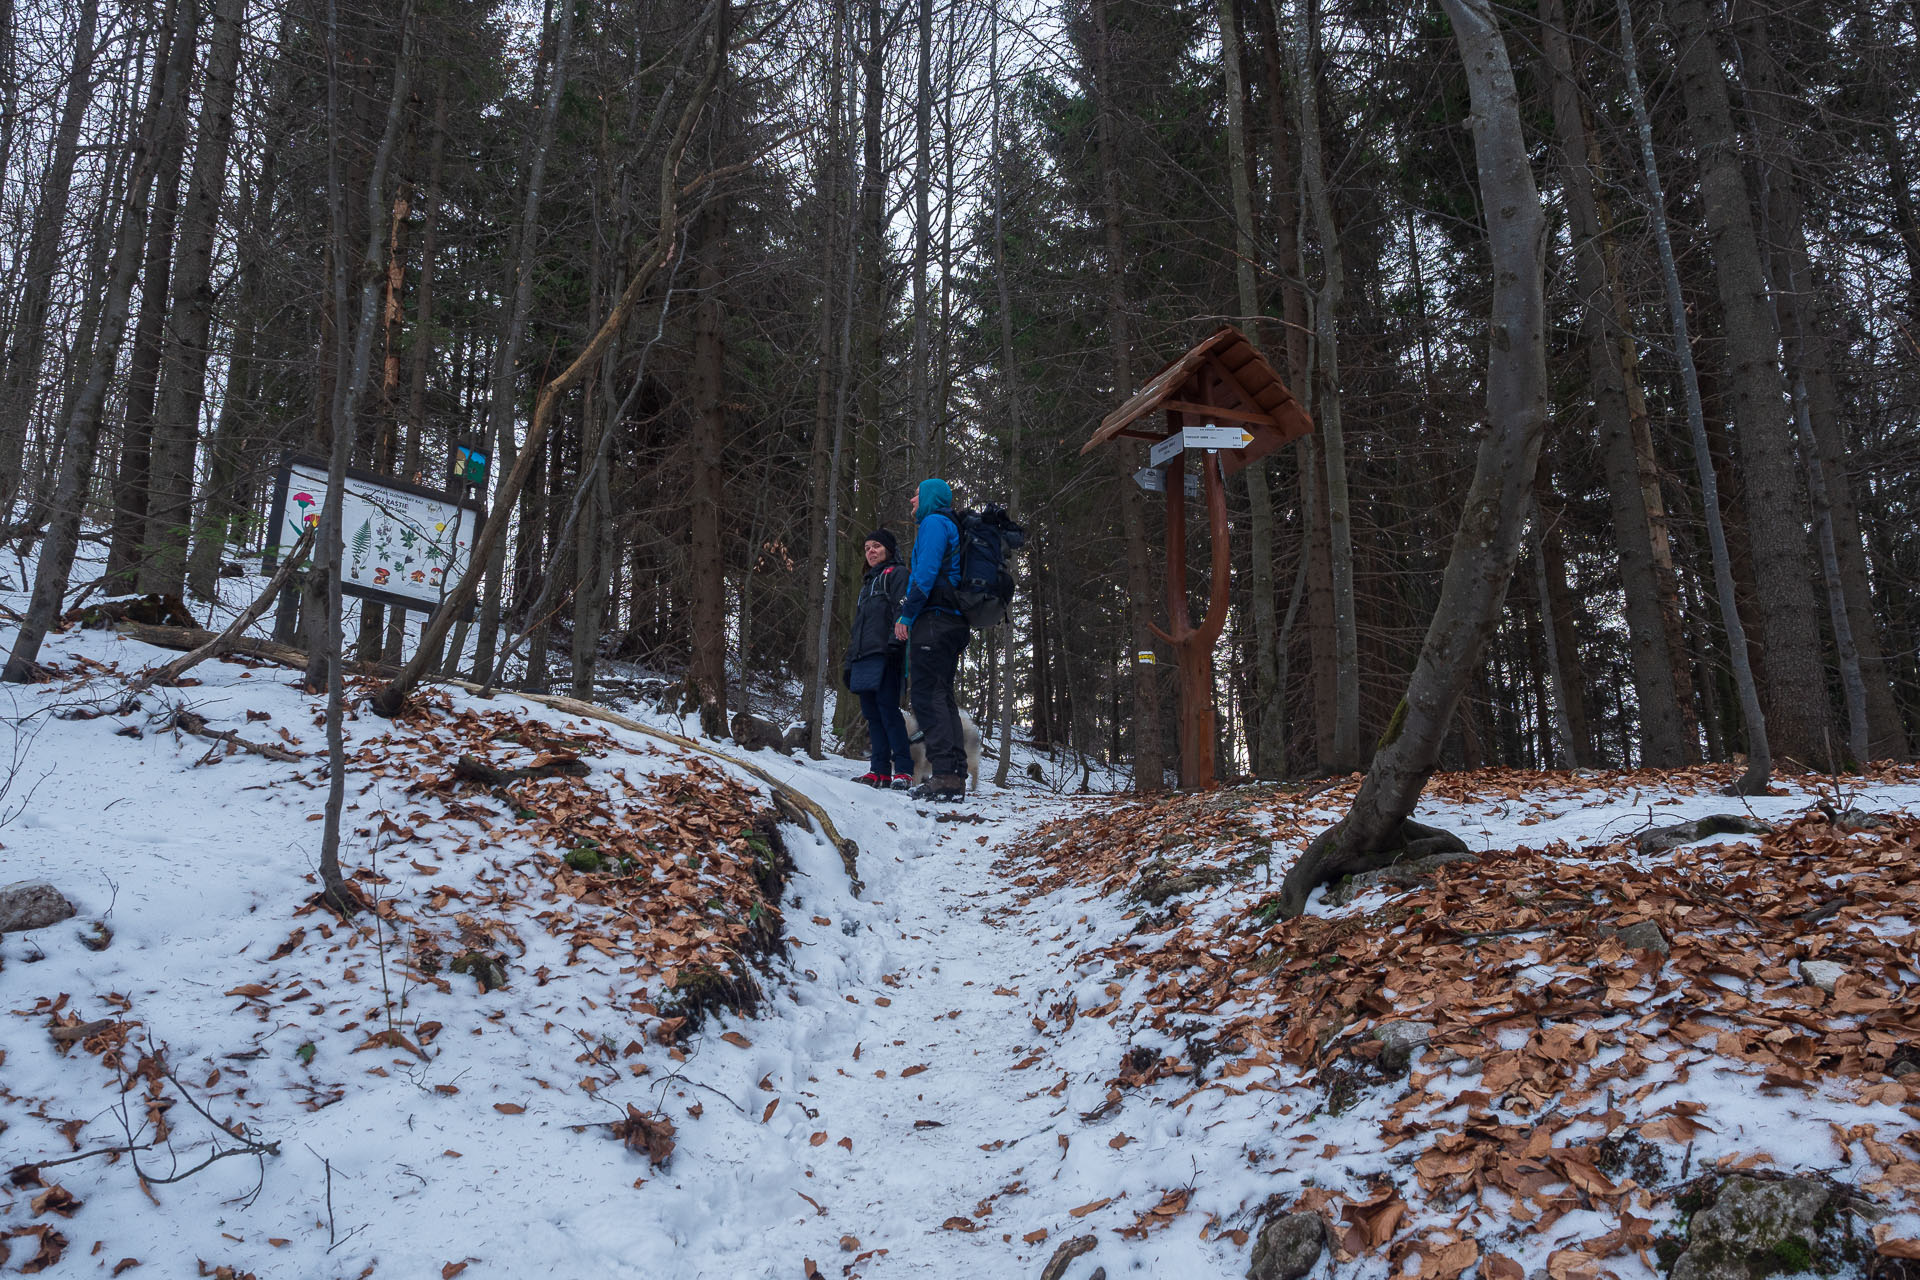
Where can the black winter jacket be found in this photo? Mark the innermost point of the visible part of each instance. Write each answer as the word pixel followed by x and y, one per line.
pixel 874 615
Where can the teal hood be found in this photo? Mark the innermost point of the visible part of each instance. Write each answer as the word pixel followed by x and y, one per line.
pixel 935 495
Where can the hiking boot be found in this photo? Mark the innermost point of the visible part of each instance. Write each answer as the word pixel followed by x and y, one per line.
pixel 871 779
pixel 902 781
pixel 944 788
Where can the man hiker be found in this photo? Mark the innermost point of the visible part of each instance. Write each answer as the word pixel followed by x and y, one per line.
pixel 936 636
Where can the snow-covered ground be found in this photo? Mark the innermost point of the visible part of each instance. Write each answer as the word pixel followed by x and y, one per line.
pixel 916 1097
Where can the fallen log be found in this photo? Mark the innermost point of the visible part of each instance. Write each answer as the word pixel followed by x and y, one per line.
pixel 172 671
pixel 188 638
pixel 74 1034
pixel 196 724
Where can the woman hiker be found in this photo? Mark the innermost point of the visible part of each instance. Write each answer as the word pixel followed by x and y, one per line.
pixel 873 663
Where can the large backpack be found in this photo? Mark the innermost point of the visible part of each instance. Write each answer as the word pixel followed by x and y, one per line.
pixel 984 590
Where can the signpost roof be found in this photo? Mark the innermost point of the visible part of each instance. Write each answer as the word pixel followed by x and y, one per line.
pixel 1224 380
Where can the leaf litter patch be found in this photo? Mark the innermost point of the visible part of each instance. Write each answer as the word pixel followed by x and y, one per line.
pixel 1553 1043
pixel 674 877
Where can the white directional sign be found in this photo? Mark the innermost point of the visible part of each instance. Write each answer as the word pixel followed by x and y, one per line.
pixel 1212 437
pixel 1155 481
pixel 1209 438
pixel 1167 450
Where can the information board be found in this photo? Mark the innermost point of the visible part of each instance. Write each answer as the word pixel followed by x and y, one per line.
pixel 402 544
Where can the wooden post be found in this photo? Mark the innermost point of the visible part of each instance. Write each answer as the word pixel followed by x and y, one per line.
pixel 1222 379
pixel 1193 646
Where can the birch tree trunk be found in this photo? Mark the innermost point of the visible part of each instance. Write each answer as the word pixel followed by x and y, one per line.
pixel 1375 830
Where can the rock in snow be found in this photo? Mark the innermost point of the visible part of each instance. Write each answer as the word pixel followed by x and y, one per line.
pixel 1822 973
pixel 32 904
pixel 1401 1039
pixel 1749 1217
pixel 1288 1246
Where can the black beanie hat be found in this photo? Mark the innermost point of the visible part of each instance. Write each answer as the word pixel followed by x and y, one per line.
pixel 885 539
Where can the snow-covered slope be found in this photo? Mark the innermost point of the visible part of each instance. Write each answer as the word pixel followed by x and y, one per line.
pixel 944 1078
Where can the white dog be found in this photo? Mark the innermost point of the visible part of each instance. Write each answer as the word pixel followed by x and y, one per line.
pixel 969 738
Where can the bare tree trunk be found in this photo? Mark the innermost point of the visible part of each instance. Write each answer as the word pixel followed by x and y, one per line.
pixel 1485 548
pixel 26 345
pixel 83 418
pixel 227 452
pixel 823 469
pixel 1875 729
pixel 1009 372
pixel 1759 756
pixel 1570 748
pixel 922 438
pixel 189 325
pixel 1663 731
pixel 1266 740
pixel 506 370
pixel 1313 578
pixel 133 478
pixel 346 402
pixel 1347 752
pixel 1149 746
pixel 706 559
pixel 663 249
pixel 1790 657
pixel 869 368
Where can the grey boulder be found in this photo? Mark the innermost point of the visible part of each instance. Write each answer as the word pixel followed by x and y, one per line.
pixel 1769 1218
pixel 1288 1247
pixel 32 904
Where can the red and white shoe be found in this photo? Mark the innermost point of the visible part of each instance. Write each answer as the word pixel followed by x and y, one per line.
pixel 902 781
pixel 871 780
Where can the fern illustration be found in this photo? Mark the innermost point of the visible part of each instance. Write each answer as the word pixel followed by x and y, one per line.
pixel 362 539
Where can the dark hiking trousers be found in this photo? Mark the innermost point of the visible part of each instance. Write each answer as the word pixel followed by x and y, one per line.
pixel 885 727
pixel 934 648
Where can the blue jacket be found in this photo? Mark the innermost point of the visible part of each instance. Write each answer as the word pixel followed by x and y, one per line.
pixel 935 543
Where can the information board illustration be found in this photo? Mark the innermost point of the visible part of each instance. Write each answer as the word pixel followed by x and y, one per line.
pixel 403 544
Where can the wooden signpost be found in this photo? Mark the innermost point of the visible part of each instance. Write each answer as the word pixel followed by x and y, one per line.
pixel 1225 408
